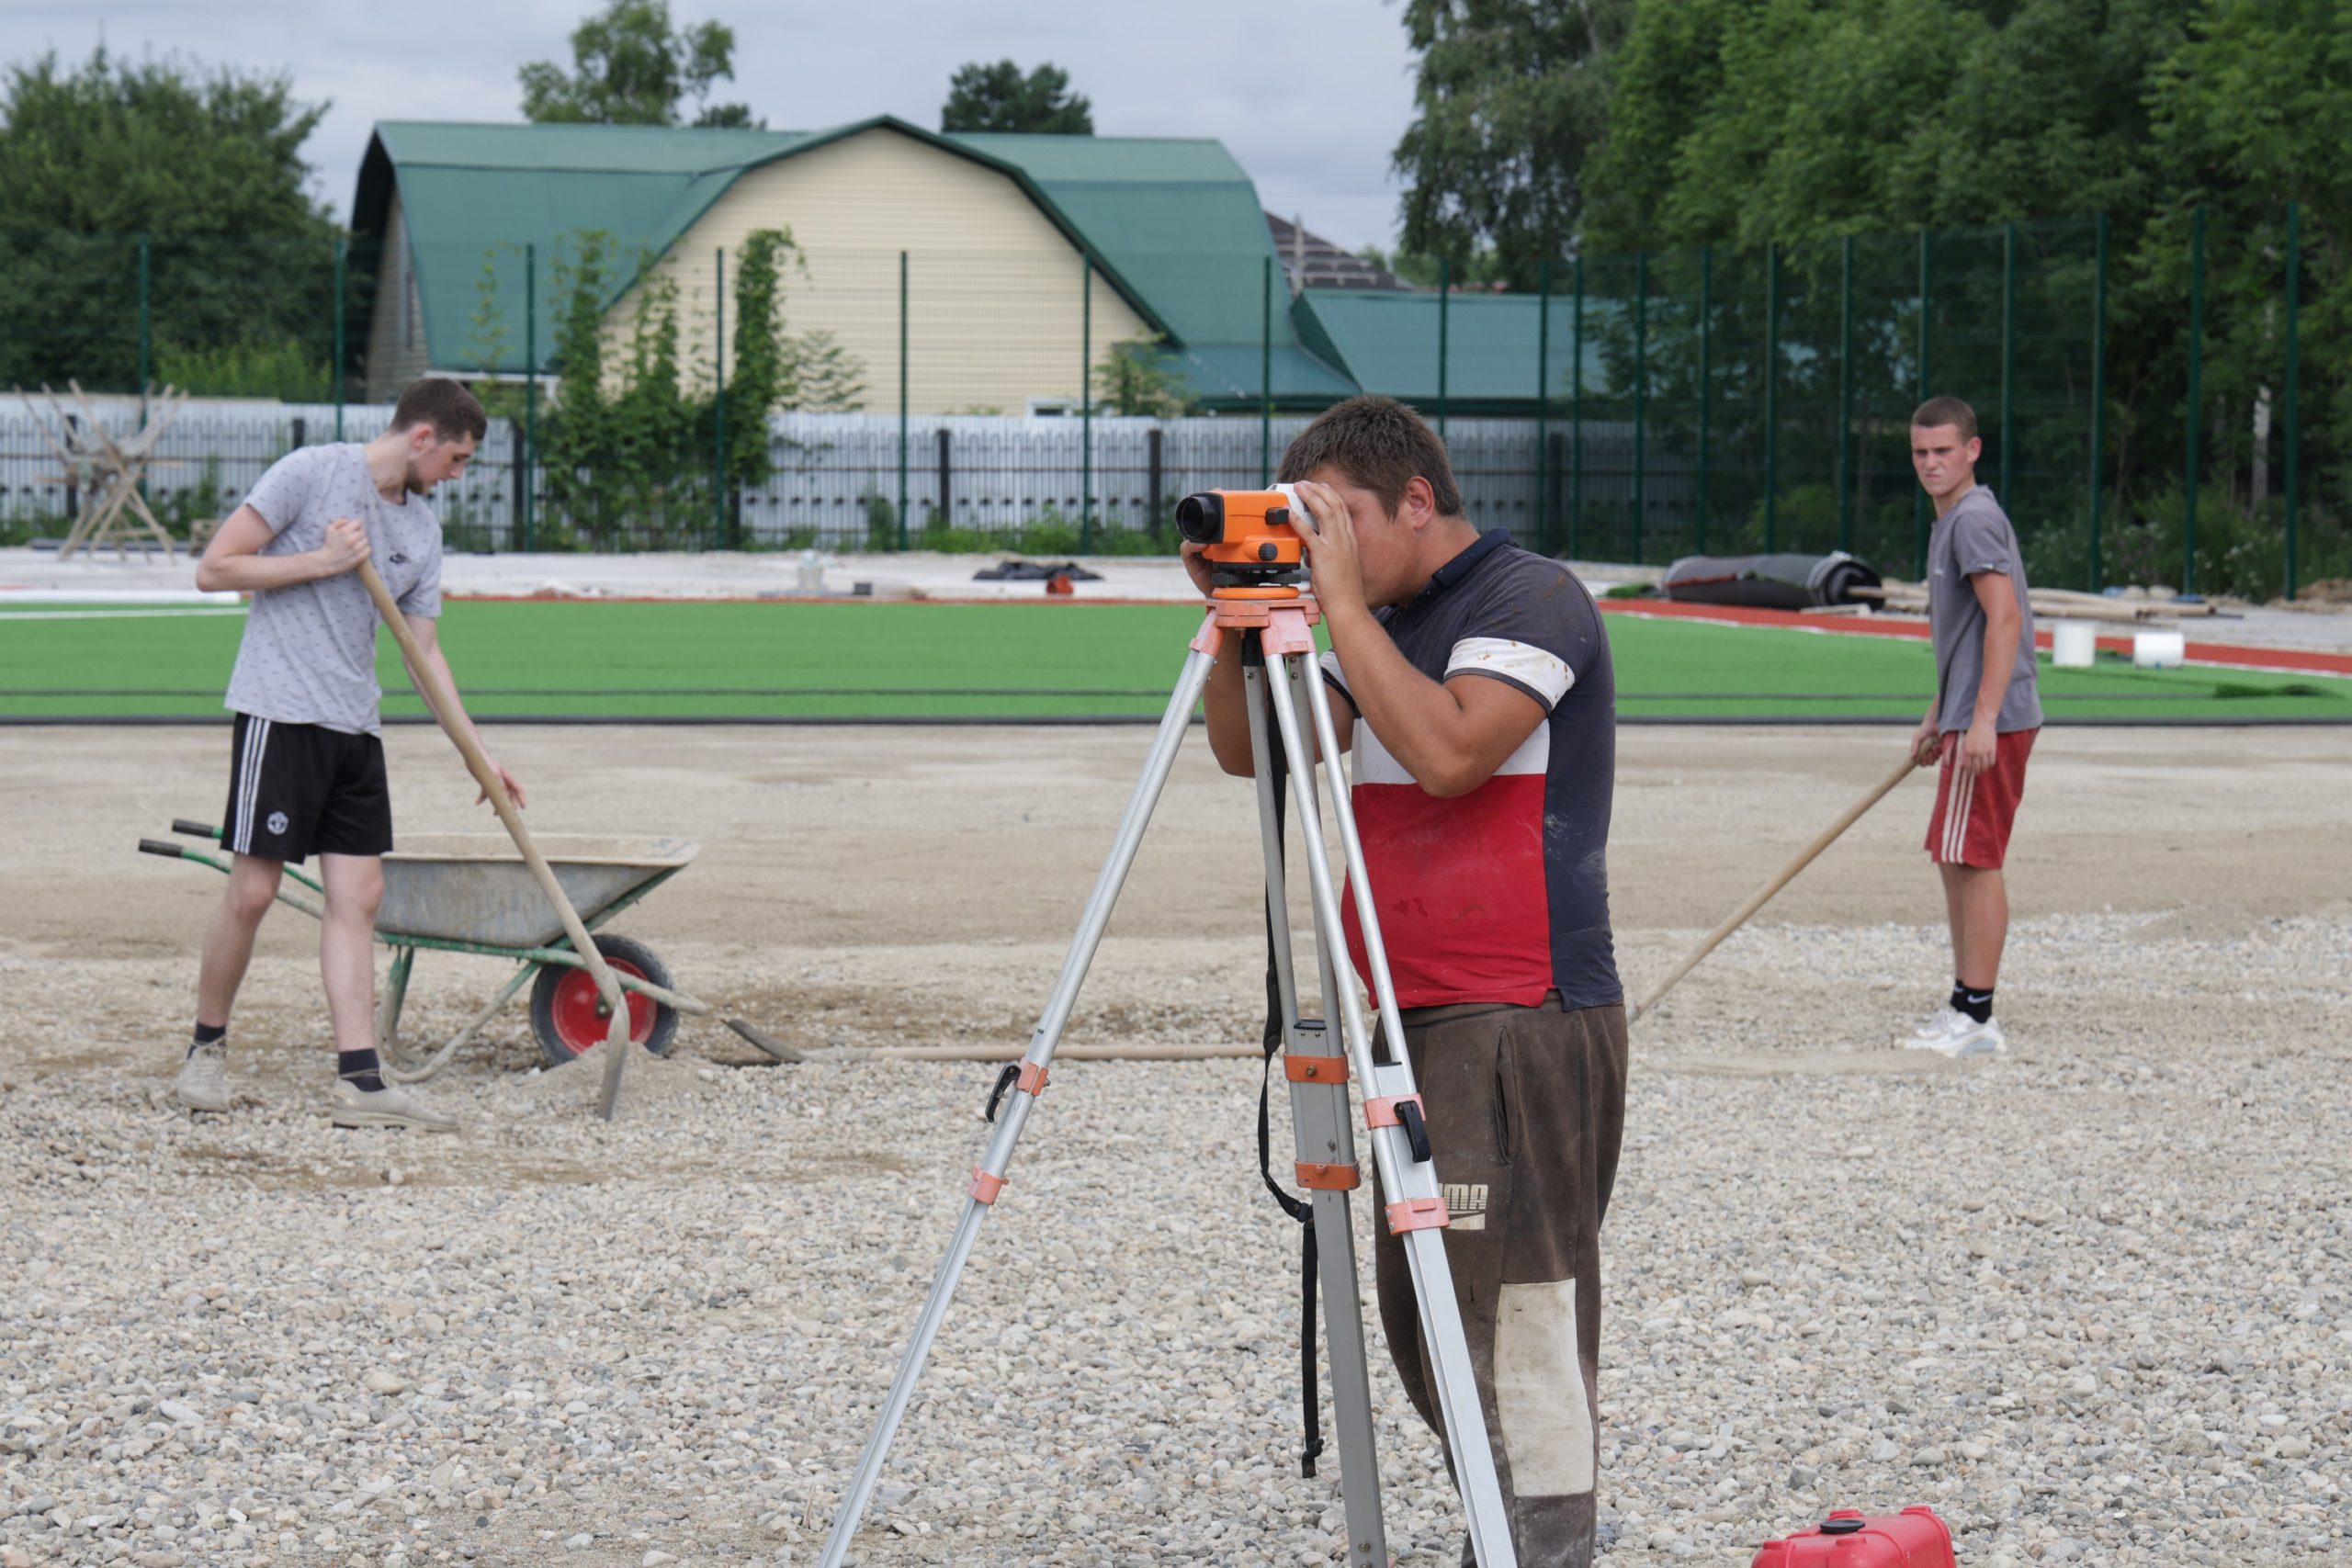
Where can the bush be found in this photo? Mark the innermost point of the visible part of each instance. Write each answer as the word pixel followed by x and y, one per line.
pixel 283 370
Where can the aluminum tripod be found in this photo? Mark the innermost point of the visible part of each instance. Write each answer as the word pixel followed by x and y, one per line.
pixel 1279 668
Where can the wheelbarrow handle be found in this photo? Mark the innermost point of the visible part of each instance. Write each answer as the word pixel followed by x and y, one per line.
pixel 163 847
pixel 194 829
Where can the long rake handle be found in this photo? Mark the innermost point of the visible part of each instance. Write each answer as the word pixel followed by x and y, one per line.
pixel 444 703
pixel 1763 895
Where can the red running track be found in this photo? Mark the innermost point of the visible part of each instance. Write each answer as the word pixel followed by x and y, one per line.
pixel 2284 660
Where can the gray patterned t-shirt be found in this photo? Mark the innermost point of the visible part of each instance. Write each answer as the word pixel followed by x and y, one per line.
pixel 309 654
pixel 1974 538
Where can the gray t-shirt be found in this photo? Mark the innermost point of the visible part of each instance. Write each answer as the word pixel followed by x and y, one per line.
pixel 1975 536
pixel 309 654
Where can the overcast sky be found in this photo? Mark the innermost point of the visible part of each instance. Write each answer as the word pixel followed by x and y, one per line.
pixel 1310 95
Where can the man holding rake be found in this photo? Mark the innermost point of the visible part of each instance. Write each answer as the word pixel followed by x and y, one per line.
pixel 1982 726
pixel 307 761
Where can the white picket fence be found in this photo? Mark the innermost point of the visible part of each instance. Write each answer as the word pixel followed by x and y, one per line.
pixel 836 479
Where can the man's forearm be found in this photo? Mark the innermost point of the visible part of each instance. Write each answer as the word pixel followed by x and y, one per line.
pixel 1417 719
pixel 1226 705
pixel 2000 661
pixel 257 573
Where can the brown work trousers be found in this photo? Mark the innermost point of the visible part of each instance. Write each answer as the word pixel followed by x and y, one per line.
pixel 1526 1107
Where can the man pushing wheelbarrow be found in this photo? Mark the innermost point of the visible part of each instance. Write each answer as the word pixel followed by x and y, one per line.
pixel 306 771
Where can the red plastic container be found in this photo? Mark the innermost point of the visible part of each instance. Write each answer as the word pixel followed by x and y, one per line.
pixel 1848 1538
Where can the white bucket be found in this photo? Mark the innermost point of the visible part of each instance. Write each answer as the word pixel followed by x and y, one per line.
pixel 2159 650
pixel 2074 644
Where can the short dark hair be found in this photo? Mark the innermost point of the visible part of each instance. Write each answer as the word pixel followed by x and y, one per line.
pixel 444 404
pixel 1946 411
pixel 1379 443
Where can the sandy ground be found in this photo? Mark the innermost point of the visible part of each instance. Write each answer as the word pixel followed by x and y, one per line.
pixel 2183 899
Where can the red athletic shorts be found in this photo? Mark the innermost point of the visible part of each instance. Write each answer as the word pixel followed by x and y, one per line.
pixel 1972 817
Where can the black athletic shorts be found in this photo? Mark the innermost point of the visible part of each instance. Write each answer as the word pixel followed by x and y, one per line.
pixel 296 790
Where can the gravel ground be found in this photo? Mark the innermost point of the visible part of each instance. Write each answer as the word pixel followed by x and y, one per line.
pixel 2094 1301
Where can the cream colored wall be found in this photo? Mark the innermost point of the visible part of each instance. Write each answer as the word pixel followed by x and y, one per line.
pixel 992 291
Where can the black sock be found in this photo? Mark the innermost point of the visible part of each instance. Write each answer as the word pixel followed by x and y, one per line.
pixel 207 1034
pixel 1977 1005
pixel 364 1070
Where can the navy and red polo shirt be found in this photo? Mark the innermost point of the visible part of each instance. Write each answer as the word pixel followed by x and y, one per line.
pixel 1500 895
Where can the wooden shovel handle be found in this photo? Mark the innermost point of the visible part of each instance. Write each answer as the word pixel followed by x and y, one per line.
pixel 1763 895
pixel 444 704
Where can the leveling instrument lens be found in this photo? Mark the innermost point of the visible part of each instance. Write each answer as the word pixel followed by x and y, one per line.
pixel 1252 549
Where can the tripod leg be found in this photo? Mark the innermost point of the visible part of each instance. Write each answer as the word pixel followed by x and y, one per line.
pixel 1325 1148
pixel 1408 1176
pixel 988 1178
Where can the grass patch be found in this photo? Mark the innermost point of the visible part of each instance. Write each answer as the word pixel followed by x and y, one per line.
pixel 978 661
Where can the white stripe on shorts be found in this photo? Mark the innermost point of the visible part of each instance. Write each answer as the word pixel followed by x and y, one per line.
pixel 1963 796
pixel 249 782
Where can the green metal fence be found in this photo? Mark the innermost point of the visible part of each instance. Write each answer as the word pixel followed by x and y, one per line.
pixel 1631 408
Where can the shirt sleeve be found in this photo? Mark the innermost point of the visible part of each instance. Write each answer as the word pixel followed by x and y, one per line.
pixel 425 598
pixel 1536 635
pixel 282 492
pixel 1982 541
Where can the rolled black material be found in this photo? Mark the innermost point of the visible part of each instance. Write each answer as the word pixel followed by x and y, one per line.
pixel 1782 582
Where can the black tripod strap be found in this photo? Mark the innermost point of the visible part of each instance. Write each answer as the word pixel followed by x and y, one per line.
pixel 1299 1209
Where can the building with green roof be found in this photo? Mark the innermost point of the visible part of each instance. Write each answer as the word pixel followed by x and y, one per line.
pixel 994 267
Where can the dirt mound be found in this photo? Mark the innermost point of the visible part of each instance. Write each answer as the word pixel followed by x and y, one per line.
pixel 2329 593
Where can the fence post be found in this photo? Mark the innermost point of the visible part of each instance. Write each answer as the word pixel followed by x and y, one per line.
pixel 902 400
pixel 947 477
pixel 1918 496
pixel 146 330
pixel 341 247
pixel 1846 398
pixel 1085 406
pixel 1706 379
pixel 719 398
pixel 1543 406
pixel 1266 371
pixel 1771 398
pixel 2196 375
pixel 2295 375
pixel 530 386
pixel 1152 478
pixel 1576 425
pixel 2009 353
pixel 2098 400
pixel 1640 394
pixel 1445 292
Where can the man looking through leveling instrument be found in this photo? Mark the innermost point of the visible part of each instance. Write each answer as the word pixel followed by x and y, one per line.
pixel 306 761
pixel 1472 681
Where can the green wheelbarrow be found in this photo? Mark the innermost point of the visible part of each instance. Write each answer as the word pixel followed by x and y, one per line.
pixel 473 893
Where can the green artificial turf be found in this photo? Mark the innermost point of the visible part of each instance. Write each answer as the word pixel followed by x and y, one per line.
pixel 1007 661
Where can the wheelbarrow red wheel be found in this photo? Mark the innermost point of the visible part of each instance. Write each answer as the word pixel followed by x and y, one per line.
pixel 567 1014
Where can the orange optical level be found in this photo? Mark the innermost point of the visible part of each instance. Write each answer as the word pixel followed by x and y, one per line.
pixel 1246 534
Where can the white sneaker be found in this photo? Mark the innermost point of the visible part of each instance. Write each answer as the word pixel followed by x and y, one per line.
pixel 1952 1032
pixel 350 1106
pixel 204 1079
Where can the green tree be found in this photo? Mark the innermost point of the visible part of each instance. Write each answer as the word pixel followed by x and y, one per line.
pixel 2250 113
pixel 1734 121
pixel 631 67
pixel 1138 378
pixel 999 98
pixel 1510 99
pixel 1483 269
pixel 209 163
